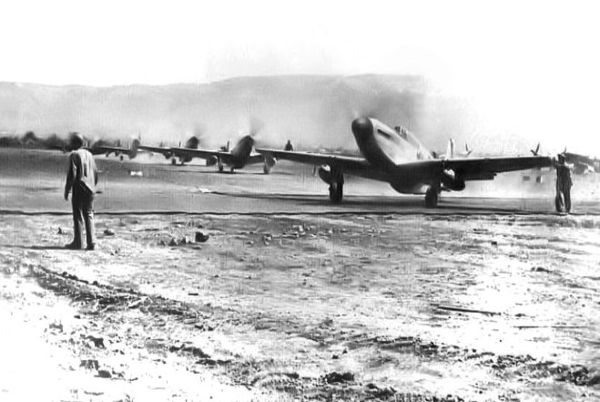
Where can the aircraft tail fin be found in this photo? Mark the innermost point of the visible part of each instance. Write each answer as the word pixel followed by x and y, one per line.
pixel 450 149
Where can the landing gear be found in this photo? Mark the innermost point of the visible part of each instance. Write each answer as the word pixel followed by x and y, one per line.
pixel 173 161
pixel 336 185
pixel 232 170
pixel 266 168
pixel 220 165
pixel 336 191
pixel 432 196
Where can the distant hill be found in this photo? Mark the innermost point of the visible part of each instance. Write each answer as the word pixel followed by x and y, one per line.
pixel 311 111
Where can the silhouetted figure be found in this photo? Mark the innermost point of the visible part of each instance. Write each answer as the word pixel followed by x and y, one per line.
pixel 563 185
pixel 82 177
pixel 288 146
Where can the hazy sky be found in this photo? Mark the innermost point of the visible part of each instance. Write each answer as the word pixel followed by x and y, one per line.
pixel 530 65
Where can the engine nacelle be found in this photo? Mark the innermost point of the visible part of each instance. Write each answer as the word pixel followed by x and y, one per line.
pixel 211 161
pixel 325 174
pixel 192 142
pixel 133 150
pixel 452 181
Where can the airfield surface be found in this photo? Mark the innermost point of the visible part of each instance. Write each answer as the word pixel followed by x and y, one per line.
pixel 292 297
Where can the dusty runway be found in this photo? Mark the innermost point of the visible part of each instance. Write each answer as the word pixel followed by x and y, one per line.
pixel 291 297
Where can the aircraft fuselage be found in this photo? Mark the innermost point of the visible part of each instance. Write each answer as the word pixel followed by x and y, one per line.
pixel 386 148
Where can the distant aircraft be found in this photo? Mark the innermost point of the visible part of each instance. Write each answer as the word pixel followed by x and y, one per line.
pixel 397 157
pixel 192 143
pixel 582 164
pixel 99 147
pixel 241 155
pixel 450 153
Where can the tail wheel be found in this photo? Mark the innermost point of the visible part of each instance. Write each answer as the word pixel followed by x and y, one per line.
pixel 431 197
pixel 336 192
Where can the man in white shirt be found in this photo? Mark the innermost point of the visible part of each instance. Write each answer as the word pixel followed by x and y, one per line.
pixel 82 177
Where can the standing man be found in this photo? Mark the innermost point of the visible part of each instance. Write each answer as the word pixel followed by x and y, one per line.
pixel 288 146
pixel 82 178
pixel 563 184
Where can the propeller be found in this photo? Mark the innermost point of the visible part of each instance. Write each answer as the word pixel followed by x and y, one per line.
pixel 255 125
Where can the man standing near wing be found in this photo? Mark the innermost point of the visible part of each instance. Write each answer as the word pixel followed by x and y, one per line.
pixel 563 185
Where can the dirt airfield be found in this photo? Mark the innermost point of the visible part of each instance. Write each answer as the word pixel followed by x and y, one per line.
pixel 290 297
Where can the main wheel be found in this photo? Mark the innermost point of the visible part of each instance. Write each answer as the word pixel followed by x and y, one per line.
pixel 266 169
pixel 431 197
pixel 336 192
pixel 173 161
pixel 220 168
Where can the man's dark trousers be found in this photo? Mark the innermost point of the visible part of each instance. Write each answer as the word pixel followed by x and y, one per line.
pixel 83 211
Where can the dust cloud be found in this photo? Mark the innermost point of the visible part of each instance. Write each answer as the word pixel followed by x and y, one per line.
pixel 312 111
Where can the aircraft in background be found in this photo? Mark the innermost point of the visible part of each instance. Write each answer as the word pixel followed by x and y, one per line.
pixel 168 152
pixel 102 147
pixel 238 157
pixel 397 157
pixel 582 165
pixel 450 153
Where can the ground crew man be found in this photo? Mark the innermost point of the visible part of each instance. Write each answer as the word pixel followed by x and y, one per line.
pixel 82 177
pixel 563 185
pixel 288 146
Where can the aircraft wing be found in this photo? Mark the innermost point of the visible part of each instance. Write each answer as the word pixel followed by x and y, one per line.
pixel 199 153
pixel 102 149
pixel 255 158
pixel 158 150
pixel 487 168
pixel 350 164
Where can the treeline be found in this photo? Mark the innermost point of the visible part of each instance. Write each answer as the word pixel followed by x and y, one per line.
pixel 31 140
pixel 53 141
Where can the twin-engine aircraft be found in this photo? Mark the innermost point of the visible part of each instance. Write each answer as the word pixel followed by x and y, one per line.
pixel 241 155
pixel 397 157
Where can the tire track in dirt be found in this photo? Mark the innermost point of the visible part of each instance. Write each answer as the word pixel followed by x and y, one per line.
pixel 101 300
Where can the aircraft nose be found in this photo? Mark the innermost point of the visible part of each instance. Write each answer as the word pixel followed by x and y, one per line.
pixel 362 127
pixel 249 140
